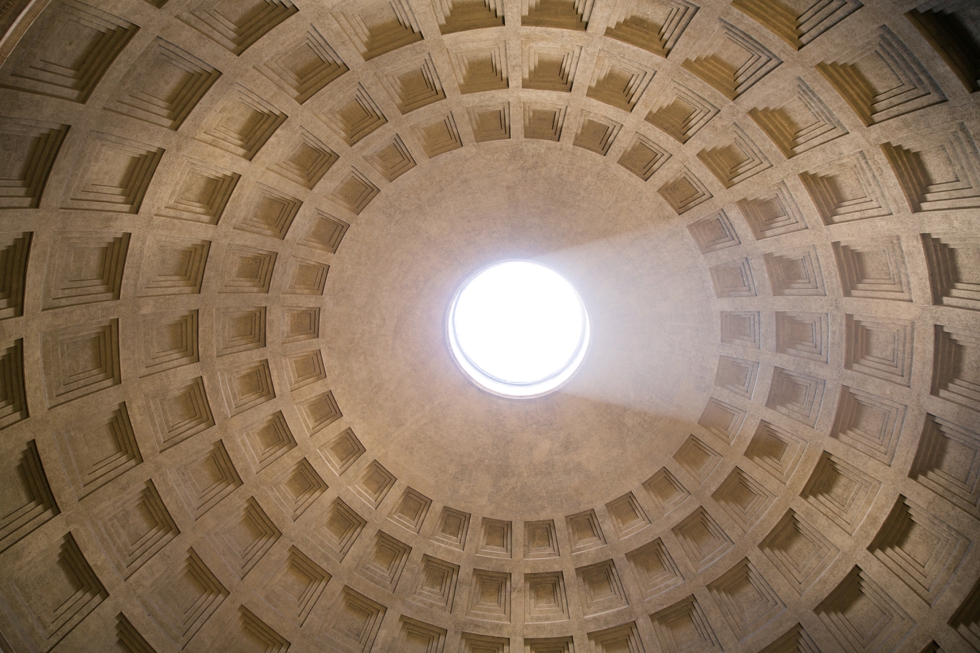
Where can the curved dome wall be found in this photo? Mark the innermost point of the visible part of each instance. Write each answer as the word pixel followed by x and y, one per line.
pixel 231 232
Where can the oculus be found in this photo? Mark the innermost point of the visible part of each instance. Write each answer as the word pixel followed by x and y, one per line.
pixel 518 329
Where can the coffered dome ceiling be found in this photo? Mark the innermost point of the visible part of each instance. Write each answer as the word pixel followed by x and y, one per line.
pixel 231 230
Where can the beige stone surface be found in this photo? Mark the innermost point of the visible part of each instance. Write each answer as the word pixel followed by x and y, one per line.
pixel 231 229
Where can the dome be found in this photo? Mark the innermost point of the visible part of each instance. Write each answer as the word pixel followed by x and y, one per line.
pixel 231 417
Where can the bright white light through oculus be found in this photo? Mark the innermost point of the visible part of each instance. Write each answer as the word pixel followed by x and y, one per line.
pixel 518 329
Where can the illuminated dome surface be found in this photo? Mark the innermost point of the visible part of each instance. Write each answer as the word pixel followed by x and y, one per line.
pixel 518 329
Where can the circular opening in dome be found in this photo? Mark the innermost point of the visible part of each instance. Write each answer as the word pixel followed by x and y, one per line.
pixel 518 329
